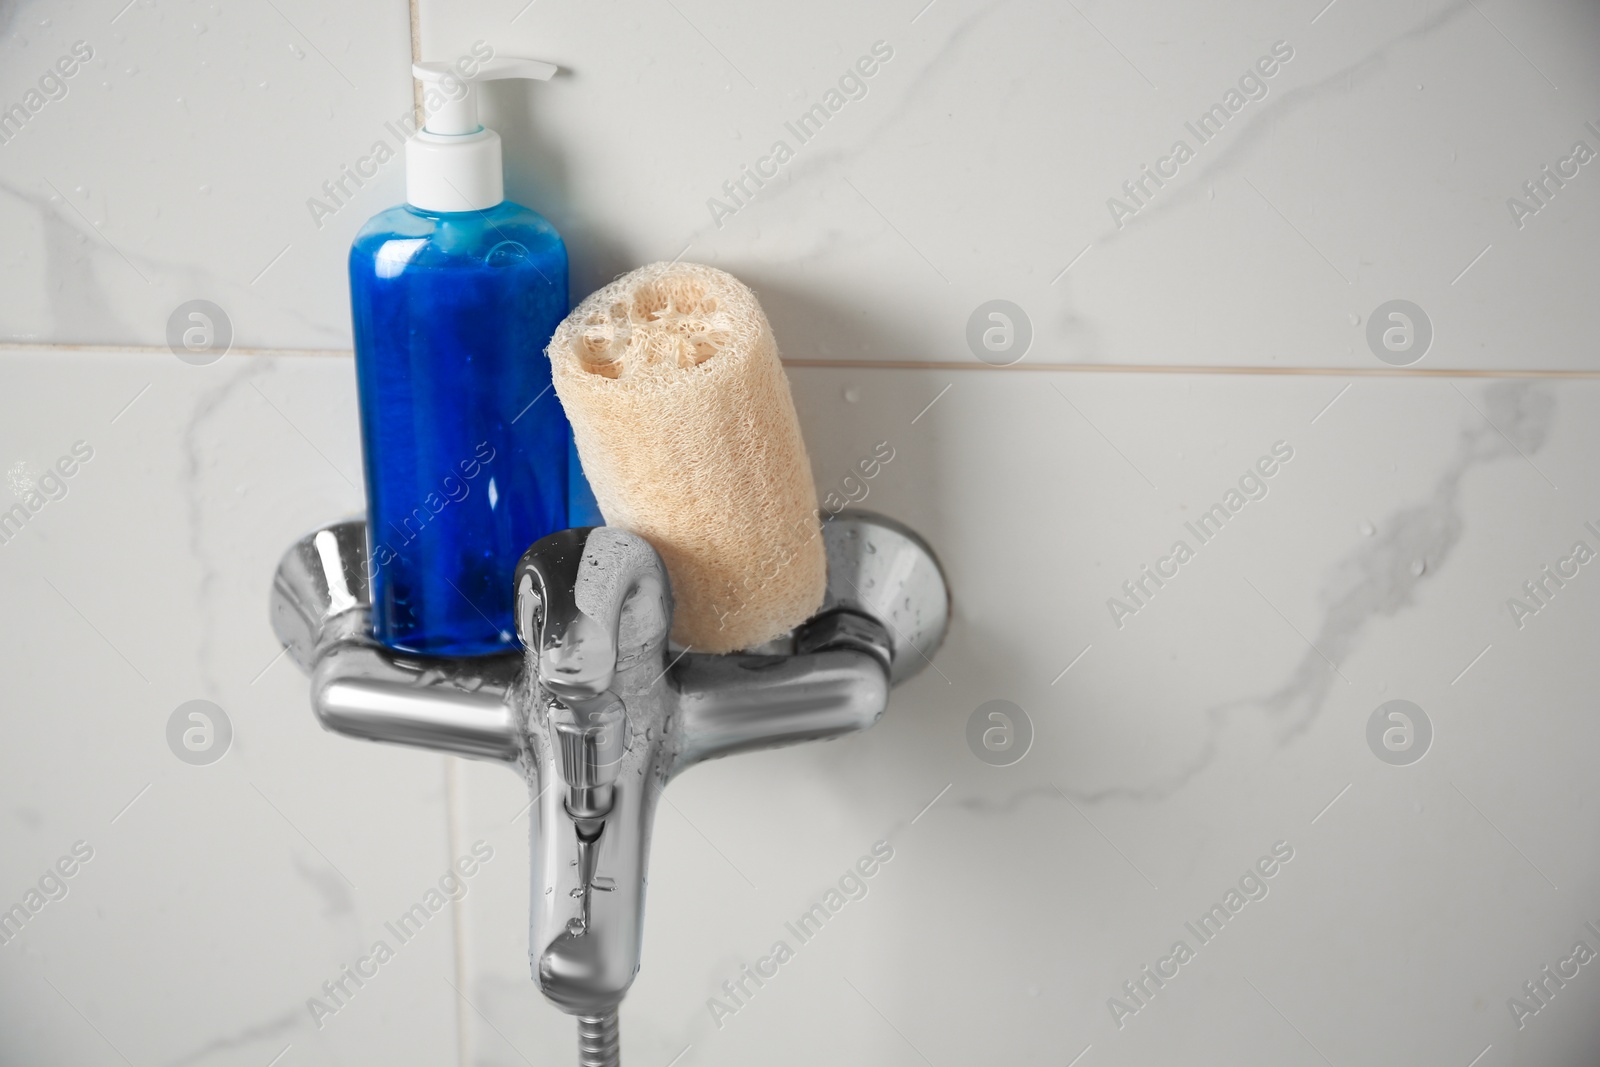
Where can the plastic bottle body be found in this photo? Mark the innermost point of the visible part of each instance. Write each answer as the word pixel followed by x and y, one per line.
pixel 468 455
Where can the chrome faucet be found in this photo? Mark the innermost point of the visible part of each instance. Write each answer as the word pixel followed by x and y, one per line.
pixel 599 713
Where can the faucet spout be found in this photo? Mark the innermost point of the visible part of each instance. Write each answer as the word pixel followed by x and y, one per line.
pixel 587 918
pixel 593 609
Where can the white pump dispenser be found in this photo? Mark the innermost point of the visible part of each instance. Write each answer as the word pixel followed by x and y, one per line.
pixel 453 163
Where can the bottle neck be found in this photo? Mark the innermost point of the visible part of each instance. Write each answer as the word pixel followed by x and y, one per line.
pixel 454 172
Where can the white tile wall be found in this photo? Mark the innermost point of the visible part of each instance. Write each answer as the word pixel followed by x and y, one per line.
pixel 220 897
pixel 978 165
pixel 981 159
pixel 1170 753
pixel 178 164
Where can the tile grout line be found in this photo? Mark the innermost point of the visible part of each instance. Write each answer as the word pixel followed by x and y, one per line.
pixel 455 810
pixel 18 347
pixel 1180 368
pixel 455 835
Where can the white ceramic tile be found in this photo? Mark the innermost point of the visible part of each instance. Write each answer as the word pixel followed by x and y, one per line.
pixel 980 162
pixel 219 898
pixel 979 165
pixel 1171 756
pixel 179 163
pixel 1227 714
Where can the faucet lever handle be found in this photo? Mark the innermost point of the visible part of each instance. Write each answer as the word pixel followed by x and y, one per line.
pixel 590 601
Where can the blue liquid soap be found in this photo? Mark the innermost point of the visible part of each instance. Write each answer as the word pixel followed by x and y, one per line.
pixel 469 458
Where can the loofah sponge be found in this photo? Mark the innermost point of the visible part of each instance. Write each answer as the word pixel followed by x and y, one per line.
pixel 684 422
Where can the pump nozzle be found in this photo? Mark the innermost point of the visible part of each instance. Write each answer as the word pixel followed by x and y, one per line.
pixel 453 163
pixel 457 112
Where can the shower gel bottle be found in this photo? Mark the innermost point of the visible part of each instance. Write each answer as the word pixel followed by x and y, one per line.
pixel 468 455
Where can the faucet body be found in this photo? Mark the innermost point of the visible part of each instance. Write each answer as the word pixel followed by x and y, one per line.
pixel 599 714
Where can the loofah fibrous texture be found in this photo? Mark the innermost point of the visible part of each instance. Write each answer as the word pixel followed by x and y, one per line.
pixel 688 434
